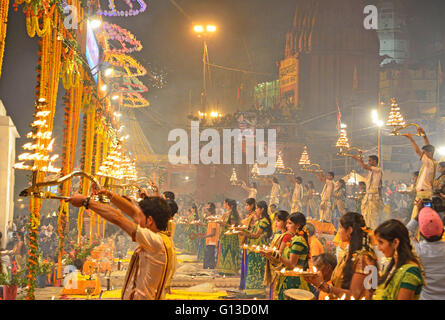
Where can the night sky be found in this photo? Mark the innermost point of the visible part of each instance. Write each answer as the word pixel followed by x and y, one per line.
pixel 249 27
pixel 245 27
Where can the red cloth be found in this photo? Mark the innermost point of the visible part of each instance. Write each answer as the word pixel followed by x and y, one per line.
pixel 287 238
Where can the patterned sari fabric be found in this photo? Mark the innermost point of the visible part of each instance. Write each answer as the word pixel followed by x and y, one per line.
pixel 255 262
pixel 299 247
pixel 178 237
pixel 407 276
pixel 228 251
pixel 360 259
pixel 191 243
pixel 244 255
pixel 270 275
pixel 201 244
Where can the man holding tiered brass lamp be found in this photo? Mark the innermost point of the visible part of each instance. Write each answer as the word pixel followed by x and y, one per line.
pixel 372 203
pixel 424 183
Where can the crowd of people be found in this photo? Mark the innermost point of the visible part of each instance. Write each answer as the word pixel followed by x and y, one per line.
pixel 257 116
pixel 405 252
pixel 377 257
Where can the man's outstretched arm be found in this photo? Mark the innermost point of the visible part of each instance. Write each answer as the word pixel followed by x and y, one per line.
pixel 415 146
pixel 105 211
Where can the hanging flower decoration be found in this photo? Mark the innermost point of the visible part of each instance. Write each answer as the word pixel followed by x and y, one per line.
pixel 125 66
pixel 114 12
pixel 70 70
pixel 38 13
pixel 4 6
pixel 134 100
pixel 132 85
pixel 126 39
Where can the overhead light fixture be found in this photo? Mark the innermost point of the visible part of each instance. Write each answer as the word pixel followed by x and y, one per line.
pixel 108 72
pixel 198 28
pixel 94 23
pixel 211 28
pixel 104 87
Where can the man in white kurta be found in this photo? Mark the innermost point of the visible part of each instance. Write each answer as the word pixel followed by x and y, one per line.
pixel 427 174
pixel 372 203
pixel 297 196
pixel 326 196
pixel 275 193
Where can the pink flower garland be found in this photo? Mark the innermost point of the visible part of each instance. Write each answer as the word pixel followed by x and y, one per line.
pixel 115 32
pixel 121 13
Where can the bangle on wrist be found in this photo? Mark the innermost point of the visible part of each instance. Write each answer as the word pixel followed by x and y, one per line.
pixel 86 203
pixel 329 288
pixel 321 285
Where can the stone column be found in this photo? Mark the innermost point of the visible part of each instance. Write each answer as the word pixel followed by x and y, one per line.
pixel 8 134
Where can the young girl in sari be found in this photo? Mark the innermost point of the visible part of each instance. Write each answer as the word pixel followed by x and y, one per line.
pixel 228 249
pixel 279 240
pixel 249 222
pixel 258 236
pixel 295 254
pixel 348 278
pixel 402 279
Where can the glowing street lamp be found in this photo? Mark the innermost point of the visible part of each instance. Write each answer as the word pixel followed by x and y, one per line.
pixel 94 23
pixel 198 28
pixel 204 32
pixel 108 72
pixel 211 28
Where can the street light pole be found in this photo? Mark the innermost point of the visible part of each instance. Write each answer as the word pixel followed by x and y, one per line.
pixel 204 32
pixel 204 82
pixel 379 123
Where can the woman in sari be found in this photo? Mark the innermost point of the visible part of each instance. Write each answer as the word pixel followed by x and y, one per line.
pixel 311 205
pixel 348 277
pixel 191 242
pixel 229 249
pixel 256 263
pixel 202 228
pixel 249 222
pixel 295 254
pixel 279 240
pixel 402 279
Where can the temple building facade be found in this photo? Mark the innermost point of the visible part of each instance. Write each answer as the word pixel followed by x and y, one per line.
pixel 329 59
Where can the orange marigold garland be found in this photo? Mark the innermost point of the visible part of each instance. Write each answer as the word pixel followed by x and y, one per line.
pixel 4 7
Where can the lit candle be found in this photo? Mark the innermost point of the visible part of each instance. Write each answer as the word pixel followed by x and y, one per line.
pixel 343 297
